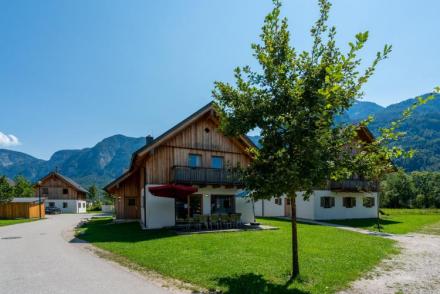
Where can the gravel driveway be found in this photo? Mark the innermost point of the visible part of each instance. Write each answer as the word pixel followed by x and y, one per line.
pixel 415 270
pixel 37 257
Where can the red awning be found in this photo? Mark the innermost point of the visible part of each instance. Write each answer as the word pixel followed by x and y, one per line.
pixel 172 191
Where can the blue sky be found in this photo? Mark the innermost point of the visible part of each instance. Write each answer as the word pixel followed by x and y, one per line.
pixel 75 72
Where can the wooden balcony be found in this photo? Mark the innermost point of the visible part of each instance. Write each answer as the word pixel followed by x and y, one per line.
pixel 355 186
pixel 204 176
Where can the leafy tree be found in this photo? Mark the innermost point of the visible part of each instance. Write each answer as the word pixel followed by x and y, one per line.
pixel 108 198
pixel 398 190
pixel 6 191
pixel 294 100
pixel 22 188
pixel 93 194
pixel 417 189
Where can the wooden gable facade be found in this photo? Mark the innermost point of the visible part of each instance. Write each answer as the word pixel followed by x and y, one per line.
pixel 165 160
pixel 56 187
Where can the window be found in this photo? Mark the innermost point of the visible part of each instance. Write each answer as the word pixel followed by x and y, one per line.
pixel 79 204
pixel 222 204
pixel 195 160
pixel 327 202
pixel 131 202
pixel 217 162
pixel 349 202
pixel 51 204
pixel 65 191
pixel 64 204
pixel 84 205
pixel 278 201
pixel 368 202
pixel 45 190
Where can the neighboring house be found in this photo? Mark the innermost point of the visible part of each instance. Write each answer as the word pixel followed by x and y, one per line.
pixel 24 207
pixel 10 182
pixel 62 192
pixel 194 156
pixel 339 200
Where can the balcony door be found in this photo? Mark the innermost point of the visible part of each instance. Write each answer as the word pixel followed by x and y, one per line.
pixel 188 207
pixel 195 204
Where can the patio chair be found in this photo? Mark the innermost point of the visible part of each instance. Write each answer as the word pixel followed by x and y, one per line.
pixel 196 222
pixel 188 223
pixel 225 221
pixel 238 222
pixel 215 221
pixel 233 220
pixel 204 221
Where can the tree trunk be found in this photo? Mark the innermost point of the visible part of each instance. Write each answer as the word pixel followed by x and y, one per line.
pixel 378 206
pixel 295 262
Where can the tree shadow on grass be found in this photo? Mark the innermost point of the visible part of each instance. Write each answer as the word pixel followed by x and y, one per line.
pixel 255 284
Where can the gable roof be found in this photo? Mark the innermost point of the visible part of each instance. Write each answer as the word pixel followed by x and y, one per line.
pixel 159 140
pixel 65 179
pixel 365 134
pixel 26 200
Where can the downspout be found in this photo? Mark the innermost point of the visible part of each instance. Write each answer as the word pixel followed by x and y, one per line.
pixel 145 198
pixel 253 209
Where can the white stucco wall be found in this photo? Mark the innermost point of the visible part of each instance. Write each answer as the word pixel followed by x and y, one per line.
pixel 341 212
pixel 268 208
pixel 311 208
pixel 305 208
pixel 244 206
pixel 160 211
pixel 72 205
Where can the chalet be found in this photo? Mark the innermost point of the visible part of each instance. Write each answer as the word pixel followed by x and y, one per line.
pixel 188 170
pixel 350 199
pixel 62 192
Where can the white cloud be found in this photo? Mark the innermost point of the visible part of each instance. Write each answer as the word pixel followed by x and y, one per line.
pixel 8 140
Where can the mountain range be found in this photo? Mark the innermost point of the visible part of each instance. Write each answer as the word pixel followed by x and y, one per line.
pixel 110 157
pixel 96 165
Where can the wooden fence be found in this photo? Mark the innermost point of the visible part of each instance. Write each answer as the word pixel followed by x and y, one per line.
pixel 21 210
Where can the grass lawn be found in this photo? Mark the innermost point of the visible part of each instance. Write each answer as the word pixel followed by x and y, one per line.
pixel 400 221
pixel 7 222
pixel 246 262
pixel 93 211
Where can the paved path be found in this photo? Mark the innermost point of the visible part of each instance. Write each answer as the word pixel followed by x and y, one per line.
pixel 37 257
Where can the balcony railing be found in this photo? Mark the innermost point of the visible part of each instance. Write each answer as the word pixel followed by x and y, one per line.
pixel 204 176
pixel 355 186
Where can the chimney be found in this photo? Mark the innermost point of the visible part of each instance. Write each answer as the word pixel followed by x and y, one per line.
pixel 148 139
